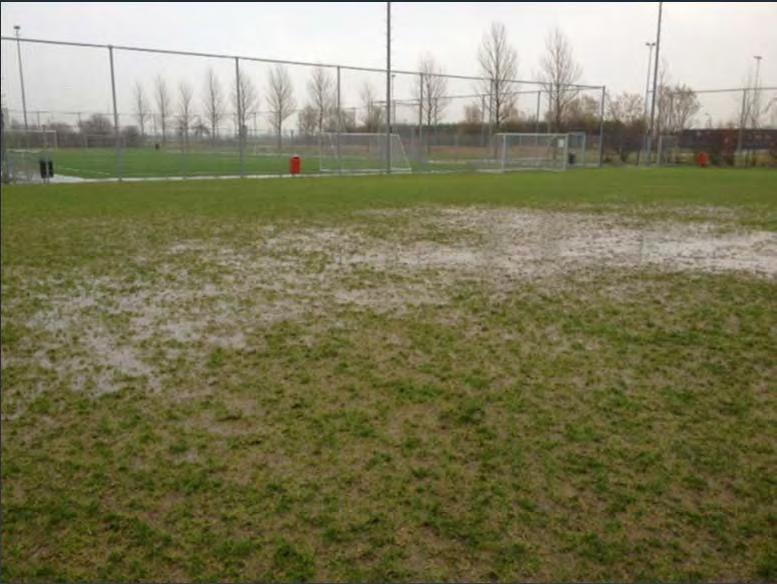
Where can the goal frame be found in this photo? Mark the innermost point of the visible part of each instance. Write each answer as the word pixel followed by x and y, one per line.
pixel 331 146
pixel 562 147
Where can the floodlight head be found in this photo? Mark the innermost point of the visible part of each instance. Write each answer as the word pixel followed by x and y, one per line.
pixel 16 27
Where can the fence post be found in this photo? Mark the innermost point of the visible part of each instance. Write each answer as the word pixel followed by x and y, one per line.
pixel 388 87
pixel 601 127
pixel 420 118
pixel 240 134
pixel 537 125
pixel 116 133
pixel 339 124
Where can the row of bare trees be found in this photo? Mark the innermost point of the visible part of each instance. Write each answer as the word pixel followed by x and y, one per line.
pixel 180 108
pixel 559 75
pixel 321 112
pixel 498 60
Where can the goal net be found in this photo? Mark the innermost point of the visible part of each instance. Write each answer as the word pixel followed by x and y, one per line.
pixel 517 151
pixel 362 152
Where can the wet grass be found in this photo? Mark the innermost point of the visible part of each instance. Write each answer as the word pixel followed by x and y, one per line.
pixel 615 425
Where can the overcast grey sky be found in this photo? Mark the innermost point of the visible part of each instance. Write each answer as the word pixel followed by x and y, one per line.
pixel 706 45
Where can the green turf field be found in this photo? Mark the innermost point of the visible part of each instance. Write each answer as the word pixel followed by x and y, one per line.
pixel 97 163
pixel 147 162
pixel 535 376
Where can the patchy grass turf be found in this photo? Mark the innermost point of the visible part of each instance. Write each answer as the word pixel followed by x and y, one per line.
pixel 534 376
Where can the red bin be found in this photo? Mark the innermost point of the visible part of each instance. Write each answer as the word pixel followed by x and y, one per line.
pixel 295 165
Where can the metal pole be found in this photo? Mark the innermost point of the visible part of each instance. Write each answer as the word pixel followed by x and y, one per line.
pixel 388 87
pixel 21 76
pixel 338 129
pixel 115 116
pixel 742 115
pixel 647 93
pixel 601 128
pixel 240 137
pixel 420 117
pixel 537 125
pixel 647 80
pixel 655 83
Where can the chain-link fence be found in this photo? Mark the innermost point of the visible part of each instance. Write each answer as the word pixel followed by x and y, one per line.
pixel 103 112
pixel 110 112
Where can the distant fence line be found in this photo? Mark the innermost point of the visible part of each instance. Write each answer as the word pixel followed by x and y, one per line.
pixel 459 133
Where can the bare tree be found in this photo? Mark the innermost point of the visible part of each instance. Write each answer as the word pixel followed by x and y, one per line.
pixel 347 119
pixel 559 73
pixel 626 123
pixel 280 100
pixel 771 110
pixel 684 105
pixel 676 106
pixel 372 116
pixel 752 110
pixel 214 102
pixel 162 96
pixel 141 107
pixel 582 113
pixel 430 89
pixel 626 108
pixel 96 125
pixel 199 128
pixel 245 107
pixel 320 89
pixel 185 95
pixel 473 116
pixel 307 120
pixel 499 64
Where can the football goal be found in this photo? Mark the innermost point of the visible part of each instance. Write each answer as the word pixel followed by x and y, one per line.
pixel 363 152
pixel 517 151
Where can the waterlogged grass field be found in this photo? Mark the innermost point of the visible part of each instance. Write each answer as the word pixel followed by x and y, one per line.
pixel 521 377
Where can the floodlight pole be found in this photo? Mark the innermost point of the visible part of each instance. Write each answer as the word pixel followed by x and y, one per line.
pixel 21 76
pixel 115 116
pixel 655 83
pixel 388 87
pixel 647 80
pixel 647 94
